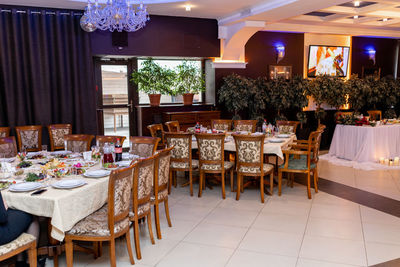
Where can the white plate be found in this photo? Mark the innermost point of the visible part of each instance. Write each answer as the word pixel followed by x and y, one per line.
pixel 9 160
pixel 283 135
pixel 61 152
pixel 67 184
pixel 123 163
pixel 275 140
pixel 97 173
pixel 25 187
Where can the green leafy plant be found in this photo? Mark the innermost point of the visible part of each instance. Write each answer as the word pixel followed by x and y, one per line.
pixel 258 98
pixel 151 78
pixel 357 89
pixel 302 118
pixel 188 79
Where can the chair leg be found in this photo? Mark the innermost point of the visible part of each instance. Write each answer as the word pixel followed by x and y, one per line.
pixel 167 212
pixel 175 178
pixel 315 174
pixel 170 182
pixel 69 252
pixel 308 185
pixel 96 249
pixel 262 188
pixel 241 183
pixel 157 220
pixel 200 183
pixel 150 228
pixel 271 183
pixel 223 184
pixel 32 254
pixel 129 246
pixel 232 180
pixel 279 183
pixel 137 241
pixel 292 181
pixel 100 248
pixel 238 186
pixel 113 261
pixel 191 182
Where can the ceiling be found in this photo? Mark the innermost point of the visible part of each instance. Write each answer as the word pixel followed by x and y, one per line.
pixel 375 17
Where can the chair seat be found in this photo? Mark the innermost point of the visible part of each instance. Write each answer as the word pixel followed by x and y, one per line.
pixel 142 209
pixel 161 195
pixel 217 167
pixel 298 164
pixel 22 240
pixel 185 165
pixel 96 224
pixel 267 168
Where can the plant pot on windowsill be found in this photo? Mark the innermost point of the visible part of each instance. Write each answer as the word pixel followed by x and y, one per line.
pixel 188 99
pixel 154 99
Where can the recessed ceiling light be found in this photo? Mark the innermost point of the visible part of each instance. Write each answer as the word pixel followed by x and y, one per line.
pixel 357 3
pixel 355 17
pixel 385 19
pixel 188 7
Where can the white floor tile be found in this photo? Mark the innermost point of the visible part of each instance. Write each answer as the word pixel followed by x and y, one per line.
pixel 334 228
pixel 333 250
pixel 189 212
pixel 285 206
pixel 231 217
pixel 369 215
pixel 295 224
pixel 272 242
pixel 378 252
pixel 342 212
pixel 383 233
pixel 243 258
pixel 314 263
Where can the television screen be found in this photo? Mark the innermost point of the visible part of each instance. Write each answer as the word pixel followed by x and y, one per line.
pixel 328 60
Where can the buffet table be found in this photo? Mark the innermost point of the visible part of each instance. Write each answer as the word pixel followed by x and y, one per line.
pixel 365 143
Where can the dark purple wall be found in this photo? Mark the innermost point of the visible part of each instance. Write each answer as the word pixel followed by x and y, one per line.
pixel 165 36
pixel 385 54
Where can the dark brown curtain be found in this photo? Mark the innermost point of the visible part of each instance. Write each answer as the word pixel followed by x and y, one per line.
pixel 46 71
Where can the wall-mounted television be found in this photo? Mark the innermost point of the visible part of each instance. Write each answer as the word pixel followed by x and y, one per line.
pixel 328 60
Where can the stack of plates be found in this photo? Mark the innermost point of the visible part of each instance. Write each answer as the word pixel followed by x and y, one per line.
pixel 275 140
pixel 25 187
pixel 9 160
pixel 123 164
pixel 68 184
pixel 96 173
pixel 283 135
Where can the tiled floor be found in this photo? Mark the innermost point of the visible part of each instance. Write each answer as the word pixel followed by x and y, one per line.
pixel 290 230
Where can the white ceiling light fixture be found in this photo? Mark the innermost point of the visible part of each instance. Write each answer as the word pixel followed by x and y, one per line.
pixel 119 15
pixel 188 8
pixel 355 17
pixel 357 3
pixel 384 19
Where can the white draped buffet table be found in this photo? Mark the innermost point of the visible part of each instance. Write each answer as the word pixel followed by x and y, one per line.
pixel 365 144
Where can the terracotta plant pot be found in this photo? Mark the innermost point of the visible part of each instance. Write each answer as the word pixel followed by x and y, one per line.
pixel 188 99
pixel 154 100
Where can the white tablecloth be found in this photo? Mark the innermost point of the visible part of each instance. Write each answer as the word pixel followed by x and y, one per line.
pixel 64 207
pixel 365 144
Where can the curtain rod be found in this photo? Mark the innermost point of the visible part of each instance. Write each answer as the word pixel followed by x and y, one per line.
pixel 38 12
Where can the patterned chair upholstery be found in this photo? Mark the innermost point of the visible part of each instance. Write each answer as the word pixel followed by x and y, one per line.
pixel 8 146
pixel 211 158
pixel 109 222
pixel 250 161
pixel 222 125
pixel 245 125
pixel 23 242
pixel 144 146
pixel 143 178
pixel 287 127
pixel 160 186
pixel 78 142
pixel 181 157
pixel 4 131
pixel 29 137
pixel 57 133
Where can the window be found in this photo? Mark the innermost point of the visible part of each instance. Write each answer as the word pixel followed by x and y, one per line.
pixel 171 64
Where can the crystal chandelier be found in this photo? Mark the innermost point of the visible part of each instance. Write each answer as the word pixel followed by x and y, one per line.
pixel 117 15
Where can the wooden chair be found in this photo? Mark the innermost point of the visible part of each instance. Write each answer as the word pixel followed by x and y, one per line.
pixel 250 161
pixel 102 139
pixel 222 125
pixel 8 146
pixel 78 142
pixel 143 177
pixel 29 138
pixel 160 186
pixel 245 125
pixel 109 222
pixel 173 126
pixel 157 130
pixel 375 114
pixel 143 146
pixel 181 157
pixel 23 242
pixel 302 158
pixel 4 131
pixel 211 159
pixel 56 134
pixel 287 126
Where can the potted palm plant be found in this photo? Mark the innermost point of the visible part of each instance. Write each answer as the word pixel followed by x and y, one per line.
pixel 154 80
pixel 188 81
